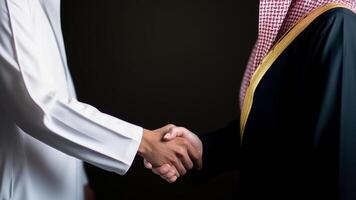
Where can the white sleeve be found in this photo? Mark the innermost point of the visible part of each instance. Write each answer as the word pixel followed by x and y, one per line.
pixel 38 108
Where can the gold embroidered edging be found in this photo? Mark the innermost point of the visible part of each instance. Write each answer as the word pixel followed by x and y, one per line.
pixel 275 52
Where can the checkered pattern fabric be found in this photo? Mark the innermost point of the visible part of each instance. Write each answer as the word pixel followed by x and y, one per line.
pixel 276 17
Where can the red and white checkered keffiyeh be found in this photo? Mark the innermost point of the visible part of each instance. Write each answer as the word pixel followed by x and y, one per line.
pixel 276 17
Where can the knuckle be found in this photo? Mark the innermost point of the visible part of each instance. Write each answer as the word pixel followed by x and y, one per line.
pixel 172 180
pixel 174 161
pixel 185 142
pixel 172 173
pixel 185 130
pixel 195 157
pixel 181 151
pixel 162 170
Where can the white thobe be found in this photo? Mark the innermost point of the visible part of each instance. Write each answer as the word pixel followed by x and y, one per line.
pixel 45 133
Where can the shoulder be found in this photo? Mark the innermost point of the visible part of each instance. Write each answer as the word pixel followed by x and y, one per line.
pixel 340 13
pixel 337 18
pixel 332 28
pixel 332 37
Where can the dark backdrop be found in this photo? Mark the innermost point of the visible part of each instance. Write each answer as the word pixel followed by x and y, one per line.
pixel 153 62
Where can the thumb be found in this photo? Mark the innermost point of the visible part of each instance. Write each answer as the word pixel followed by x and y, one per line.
pixel 147 164
pixel 173 133
pixel 165 129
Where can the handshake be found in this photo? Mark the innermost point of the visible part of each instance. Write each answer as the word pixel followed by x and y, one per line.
pixel 170 151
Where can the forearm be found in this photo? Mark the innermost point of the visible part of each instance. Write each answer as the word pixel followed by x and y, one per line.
pixel 72 127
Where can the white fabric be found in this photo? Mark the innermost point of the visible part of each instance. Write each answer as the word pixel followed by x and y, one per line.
pixel 44 131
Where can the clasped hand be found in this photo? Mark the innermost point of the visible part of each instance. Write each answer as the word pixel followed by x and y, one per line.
pixel 171 151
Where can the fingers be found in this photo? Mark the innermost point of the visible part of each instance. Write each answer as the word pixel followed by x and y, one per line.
pixel 182 161
pixel 188 163
pixel 169 176
pixel 188 154
pixel 176 173
pixel 185 159
pixel 167 172
pixel 195 155
pixel 194 146
pixel 173 179
pixel 179 166
pixel 164 169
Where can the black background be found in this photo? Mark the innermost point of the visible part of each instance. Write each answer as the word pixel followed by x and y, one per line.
pixel 153 62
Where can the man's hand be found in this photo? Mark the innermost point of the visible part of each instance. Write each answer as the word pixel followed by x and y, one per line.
pixel 176 152
pixel 166 171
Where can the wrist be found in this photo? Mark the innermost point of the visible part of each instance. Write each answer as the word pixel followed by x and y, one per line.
pixel 145 146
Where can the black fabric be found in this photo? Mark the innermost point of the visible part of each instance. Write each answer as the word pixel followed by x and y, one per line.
pixel 221 151
pixel 300 137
